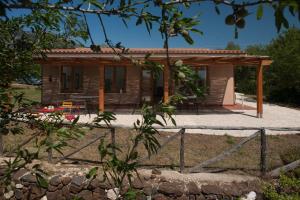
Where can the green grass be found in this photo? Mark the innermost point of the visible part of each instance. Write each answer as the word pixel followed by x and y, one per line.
pixel 31 93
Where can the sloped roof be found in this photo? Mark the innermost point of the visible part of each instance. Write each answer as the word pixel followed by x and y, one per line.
pixel 190 55
pixel 146 51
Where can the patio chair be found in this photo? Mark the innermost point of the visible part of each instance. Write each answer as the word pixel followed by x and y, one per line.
pixel 67 105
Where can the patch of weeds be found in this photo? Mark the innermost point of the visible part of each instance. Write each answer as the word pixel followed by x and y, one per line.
pixel 274 137
pixel 287 188
pixel 229 139
pixel 172 166
pixel 290 155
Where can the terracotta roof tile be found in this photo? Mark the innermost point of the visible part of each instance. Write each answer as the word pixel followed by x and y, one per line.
pixel 147 50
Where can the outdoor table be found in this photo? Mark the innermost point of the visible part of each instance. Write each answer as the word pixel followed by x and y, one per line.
pixel 46 110
pixel 84 98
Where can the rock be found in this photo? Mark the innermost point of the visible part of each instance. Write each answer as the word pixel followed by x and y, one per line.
pixel 192 197
pixel 146 178
pixel 9 194
pixel 65 192
pixel 138 183
pixel 156 172
pixel 52 188
pixel 66 180
pixel 60 186
pixel 19 174
pixel 250 196
pixel 100 191
pixel 77 184
pixel 94 184
pixel 148 189
pixel 192 188
pixel 211 197
pixel 212 189
pixel 200 197
pixel 19 186
pixel 112 194
pixel 171 189
pixel 57 195
pixel 55 181
pixel 18 194
pixel 232 190
pixel 74 188
pixel 97 195
pixel 37 192
pixel 29 178
pixel 183 197
pixel 163 179
pixel 160 197
pixel 140 196
pixel 153 176
pixel 78 180
pixel 85 194
pixel 44 198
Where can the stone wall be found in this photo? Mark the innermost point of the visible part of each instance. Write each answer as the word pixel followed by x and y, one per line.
pixel 155 187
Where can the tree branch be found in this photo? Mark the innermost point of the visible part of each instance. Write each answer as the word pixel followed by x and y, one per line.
pixel 113 11
pixel 224 2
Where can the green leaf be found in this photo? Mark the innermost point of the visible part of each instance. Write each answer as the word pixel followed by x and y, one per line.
pixel 217 10
pixel 92 173
pixel 188 39
pixel 139 21
pixel 41 181
pixel 2 10
pixel 197 31
pixel 259 12
pixel 96 3
pixel 124 22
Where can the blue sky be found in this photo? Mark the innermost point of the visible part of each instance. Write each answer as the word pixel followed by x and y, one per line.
pixel 216 33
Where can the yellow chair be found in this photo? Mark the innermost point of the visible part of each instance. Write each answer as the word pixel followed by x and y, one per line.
pixel 67 105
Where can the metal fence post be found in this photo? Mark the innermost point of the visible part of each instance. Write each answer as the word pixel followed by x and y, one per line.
pixel 182 150
pixel 263 152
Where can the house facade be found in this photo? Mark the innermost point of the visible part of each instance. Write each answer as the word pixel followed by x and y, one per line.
pixel 108 80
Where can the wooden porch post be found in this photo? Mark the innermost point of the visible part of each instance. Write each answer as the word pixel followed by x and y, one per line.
pixel 101 88
pixel 166 82
pixel 259 90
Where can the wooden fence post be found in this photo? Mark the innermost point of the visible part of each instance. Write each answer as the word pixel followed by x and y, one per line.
pixel 182 150
pixel 263 152
pixel 113 139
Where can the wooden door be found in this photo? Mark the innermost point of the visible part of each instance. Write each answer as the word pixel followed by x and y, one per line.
pixel 146 86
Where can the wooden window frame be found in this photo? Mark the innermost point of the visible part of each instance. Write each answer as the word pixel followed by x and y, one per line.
pixel 113 86
pixel 197 68
pixel 72 82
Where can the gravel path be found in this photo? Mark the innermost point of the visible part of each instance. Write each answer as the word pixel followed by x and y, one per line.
pixel 274 116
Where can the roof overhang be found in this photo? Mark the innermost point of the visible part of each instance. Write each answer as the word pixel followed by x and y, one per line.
pixel 189 56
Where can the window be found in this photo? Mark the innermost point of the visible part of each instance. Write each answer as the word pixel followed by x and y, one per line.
pixel 202 76
pixel 71 79
pixel 115 79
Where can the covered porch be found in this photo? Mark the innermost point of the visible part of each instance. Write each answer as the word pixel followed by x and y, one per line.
pixel 107 81
pixel 259 62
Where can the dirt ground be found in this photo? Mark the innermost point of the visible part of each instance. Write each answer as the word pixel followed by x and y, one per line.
pixel 198 148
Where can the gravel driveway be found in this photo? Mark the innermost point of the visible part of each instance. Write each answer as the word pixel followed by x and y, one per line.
pixel 274 116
